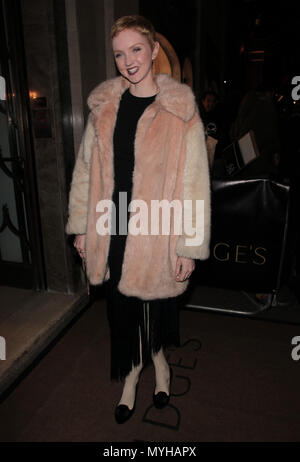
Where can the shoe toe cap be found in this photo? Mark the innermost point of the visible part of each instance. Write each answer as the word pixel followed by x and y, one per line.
pixel 122 413
pixel 161 399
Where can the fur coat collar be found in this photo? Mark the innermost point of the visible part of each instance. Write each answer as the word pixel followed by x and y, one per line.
pixel 173 97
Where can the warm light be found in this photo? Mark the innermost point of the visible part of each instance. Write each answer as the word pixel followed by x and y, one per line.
pixel 32 94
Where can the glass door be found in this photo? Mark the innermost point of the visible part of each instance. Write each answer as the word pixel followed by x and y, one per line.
pixel 21 263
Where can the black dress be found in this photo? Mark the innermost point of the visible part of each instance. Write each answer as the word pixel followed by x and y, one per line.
pixel 156 320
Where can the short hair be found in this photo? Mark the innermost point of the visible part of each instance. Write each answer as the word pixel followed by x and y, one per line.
pixel 136 22
pixel 209 92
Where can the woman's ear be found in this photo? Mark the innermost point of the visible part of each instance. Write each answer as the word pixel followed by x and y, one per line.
pixel 155 50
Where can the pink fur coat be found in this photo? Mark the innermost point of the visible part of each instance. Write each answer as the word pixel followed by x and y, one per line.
pixel 170 163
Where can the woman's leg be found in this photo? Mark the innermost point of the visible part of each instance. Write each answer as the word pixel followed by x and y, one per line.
pixel 131 380
pixel 162 372
pixel 126 320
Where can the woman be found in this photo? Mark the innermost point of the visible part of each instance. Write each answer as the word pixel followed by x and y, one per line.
pixel 144 139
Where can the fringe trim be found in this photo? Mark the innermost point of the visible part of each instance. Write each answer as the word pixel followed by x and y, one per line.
pixel 147 328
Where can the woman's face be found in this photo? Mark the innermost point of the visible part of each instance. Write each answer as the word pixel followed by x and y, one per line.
pixel 133 55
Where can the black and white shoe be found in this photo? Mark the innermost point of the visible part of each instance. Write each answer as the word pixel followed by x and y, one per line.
pixel 162 399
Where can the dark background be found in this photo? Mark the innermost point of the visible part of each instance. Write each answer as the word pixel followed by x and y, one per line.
pixel 231 30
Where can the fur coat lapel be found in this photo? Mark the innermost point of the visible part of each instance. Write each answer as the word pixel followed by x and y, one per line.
pixel 172 97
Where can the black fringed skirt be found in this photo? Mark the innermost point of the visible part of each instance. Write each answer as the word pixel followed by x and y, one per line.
pixel 155 321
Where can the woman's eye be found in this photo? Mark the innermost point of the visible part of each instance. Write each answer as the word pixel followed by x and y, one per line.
pixel 136 49
pixel 117 55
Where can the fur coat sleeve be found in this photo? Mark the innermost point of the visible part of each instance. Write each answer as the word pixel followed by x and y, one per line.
pixel 79 192
pixel 196 187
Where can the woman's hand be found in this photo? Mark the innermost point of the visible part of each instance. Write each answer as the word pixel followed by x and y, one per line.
pixel 184 268
pixel 79 244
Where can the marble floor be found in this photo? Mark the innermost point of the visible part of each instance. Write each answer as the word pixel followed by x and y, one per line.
pixel 29 321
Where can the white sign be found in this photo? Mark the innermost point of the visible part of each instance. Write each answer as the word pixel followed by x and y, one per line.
pixel 247 148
